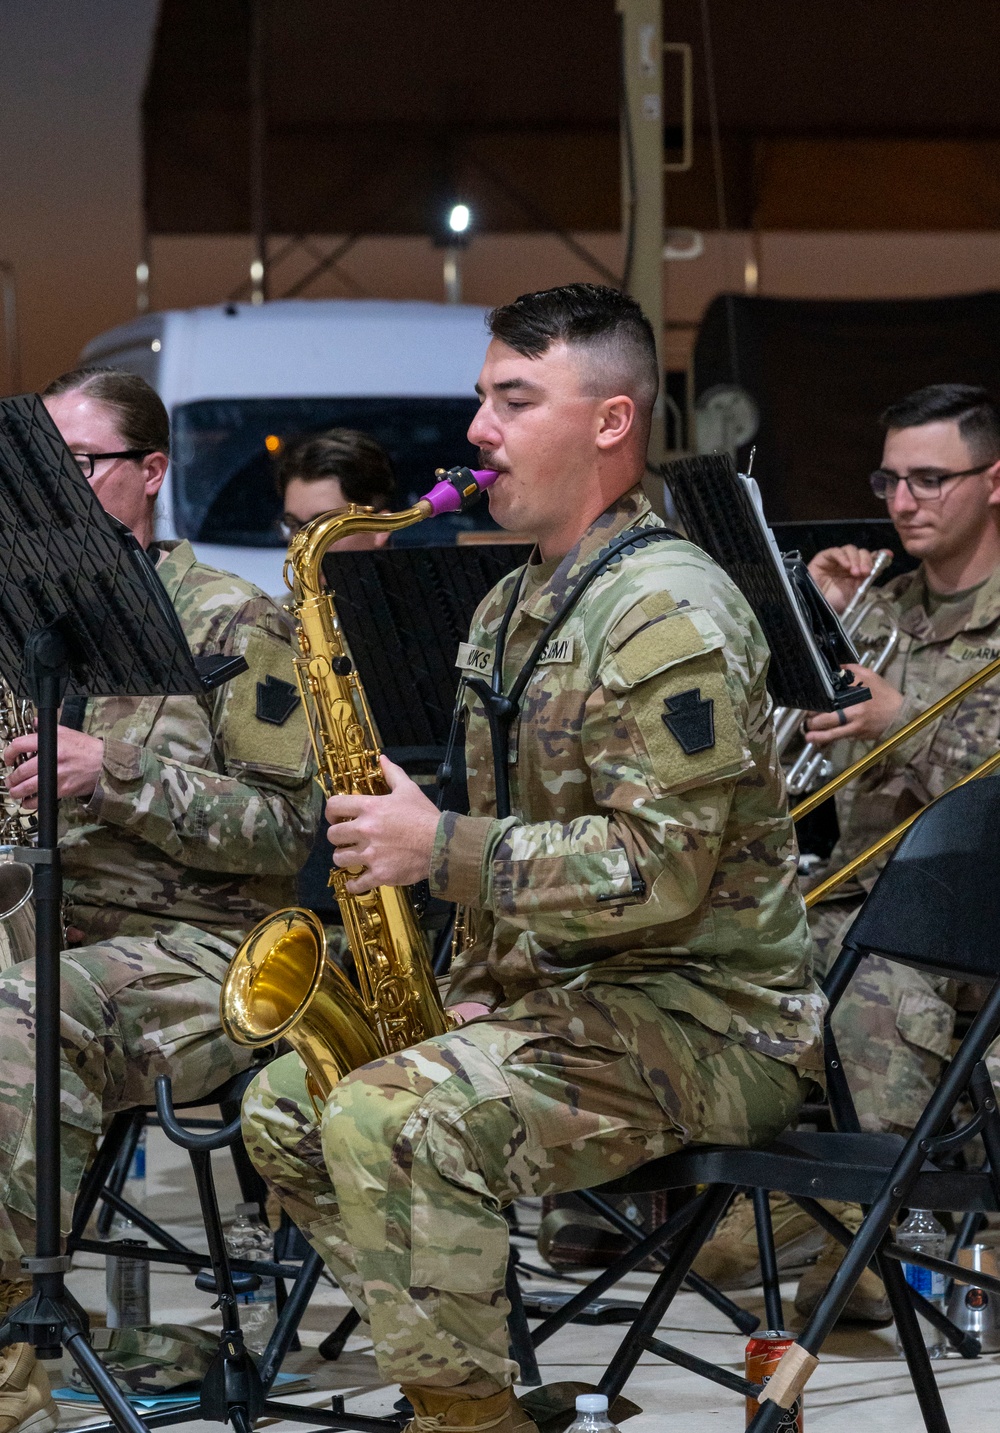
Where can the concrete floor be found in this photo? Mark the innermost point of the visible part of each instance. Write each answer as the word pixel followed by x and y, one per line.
pixel 860 1384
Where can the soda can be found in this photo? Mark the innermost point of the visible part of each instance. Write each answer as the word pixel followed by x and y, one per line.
pixel 762 1357
pixel 127 1289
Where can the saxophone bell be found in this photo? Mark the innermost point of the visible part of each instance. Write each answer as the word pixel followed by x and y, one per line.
pixel 281 982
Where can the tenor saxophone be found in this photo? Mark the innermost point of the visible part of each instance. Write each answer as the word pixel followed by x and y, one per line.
pixel 17 828
pixel 282 983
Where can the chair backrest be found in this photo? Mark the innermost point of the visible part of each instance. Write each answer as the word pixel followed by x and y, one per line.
pixel 936 904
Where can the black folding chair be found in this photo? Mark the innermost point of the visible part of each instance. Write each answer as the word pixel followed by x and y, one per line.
pixel 293 1262
pixel 935 906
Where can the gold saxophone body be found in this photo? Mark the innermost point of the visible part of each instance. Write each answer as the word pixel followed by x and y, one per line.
pixel 282 983
pixel 17 828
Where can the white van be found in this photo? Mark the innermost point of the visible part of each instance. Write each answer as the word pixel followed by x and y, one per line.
pixel 242 380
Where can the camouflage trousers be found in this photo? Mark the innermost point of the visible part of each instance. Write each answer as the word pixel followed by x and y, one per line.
pixel 401 1187
pixel 893 1027
pixel 132 1008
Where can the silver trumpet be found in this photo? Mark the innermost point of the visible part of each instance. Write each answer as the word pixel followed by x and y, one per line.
pixel 812 765
pixel 18 828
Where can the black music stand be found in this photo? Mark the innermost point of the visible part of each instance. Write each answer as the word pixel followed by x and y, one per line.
pixel 82 613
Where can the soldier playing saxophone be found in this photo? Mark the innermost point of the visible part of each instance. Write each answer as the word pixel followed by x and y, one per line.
pixel 641 974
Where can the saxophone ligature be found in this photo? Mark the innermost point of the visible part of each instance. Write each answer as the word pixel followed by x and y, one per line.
pixel 282 983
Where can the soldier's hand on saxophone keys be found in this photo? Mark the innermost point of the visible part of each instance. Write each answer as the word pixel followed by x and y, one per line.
pixel 389 838
pixel 80 760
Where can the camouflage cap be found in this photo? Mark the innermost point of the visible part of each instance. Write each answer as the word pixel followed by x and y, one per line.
pixel 158 1358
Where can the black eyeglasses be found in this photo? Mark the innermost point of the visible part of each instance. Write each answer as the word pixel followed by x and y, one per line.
pixel 924 487
pixel 287 526
pixel 87 460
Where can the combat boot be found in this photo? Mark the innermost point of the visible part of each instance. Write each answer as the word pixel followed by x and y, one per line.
pixel 448 1410
pixel 26 1404
pixel 869 1302
pixel 731 1258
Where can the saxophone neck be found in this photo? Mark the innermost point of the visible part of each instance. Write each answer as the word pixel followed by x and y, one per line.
pixel 456 490
pixel 304 565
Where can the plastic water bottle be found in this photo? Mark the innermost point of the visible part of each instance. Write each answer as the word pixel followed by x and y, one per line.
pixel 249 1238
pixel 922 1233
pixel 592 1415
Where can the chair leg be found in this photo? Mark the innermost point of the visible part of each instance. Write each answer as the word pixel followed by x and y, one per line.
pixel 912 1339
pixel 333 1345
pixel 522 1350
pixel 668 1233
pixel 744 1321
pixel 252 1187
pixel 633 1345
pixel 285 1333
pixel 768 1260
pixel 131 1130
pixel 99 1174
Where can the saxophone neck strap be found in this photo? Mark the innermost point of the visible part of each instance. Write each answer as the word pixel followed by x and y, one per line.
pixel 502 707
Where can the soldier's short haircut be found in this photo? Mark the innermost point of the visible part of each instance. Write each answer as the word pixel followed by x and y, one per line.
pixel 359 464
pixel 139 412
pixel 605 324
pixel 977 415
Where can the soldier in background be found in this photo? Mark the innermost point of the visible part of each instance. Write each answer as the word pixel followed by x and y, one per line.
pixel 326 471
pixel 940 480
pixel 183 822
pixel 641 974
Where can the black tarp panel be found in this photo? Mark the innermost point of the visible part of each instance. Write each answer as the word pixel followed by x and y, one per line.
pixel 822 371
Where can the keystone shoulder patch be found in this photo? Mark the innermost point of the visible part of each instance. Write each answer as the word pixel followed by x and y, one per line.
pixel 276 700
pixel 690 720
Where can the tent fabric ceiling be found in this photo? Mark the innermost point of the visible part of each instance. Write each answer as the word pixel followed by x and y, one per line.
pixel 380 113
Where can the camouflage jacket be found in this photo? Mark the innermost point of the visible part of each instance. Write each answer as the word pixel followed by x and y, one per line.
pixel 650 844
pixel 206 807
pixel 934 654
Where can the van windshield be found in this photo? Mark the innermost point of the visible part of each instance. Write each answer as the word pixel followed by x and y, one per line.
pixel 225 453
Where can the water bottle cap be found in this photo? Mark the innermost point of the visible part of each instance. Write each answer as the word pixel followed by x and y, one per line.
pixel 251 1210
pixel 592 1403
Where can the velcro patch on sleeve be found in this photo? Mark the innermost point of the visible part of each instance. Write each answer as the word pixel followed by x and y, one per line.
pixel 687 725
pixel 659 645
pixel 263 722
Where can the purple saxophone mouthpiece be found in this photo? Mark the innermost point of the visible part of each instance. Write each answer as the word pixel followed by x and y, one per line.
pixel 458 489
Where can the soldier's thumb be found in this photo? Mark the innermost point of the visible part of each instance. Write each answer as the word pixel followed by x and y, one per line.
pixel 394 775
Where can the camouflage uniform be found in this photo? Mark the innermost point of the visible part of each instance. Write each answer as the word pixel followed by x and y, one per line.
pixel 894 1026
pixel 204 810
pixel 640 943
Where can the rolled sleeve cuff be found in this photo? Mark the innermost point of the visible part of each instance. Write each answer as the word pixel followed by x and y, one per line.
pixel 121 768
pixel 905 753
pixel 458 861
